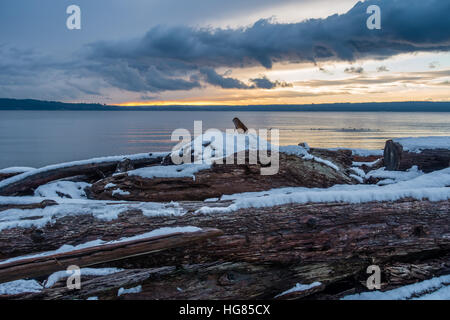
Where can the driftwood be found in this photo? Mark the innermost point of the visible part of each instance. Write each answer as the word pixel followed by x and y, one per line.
pixel 265 251
pixel 38 266
pixel 94 171
pixel 4 176
pixel 241 127
pixel 395 158
pixel 223 179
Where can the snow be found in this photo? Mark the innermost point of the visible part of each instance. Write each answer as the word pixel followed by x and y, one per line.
pixel 369 164
pixel 213 145
pixel 300 287
pixel 15 170
pixel 418 144
pixel 433 186
pixel 358 178
pixel 396 176
pixel 20 286
pixel 120 192
pixel 131 290
pixel 359 172
pixel 175 171
pixel 67 248
pixel 103 210
pixel 441 294
pixel 19 200
pixel 389 177
pixel 59 275
pixel 92 298
pixel 110 185
pixel 62 189
pixel 416 291
pixel 81 162
pixel 303 153
pixel 361 152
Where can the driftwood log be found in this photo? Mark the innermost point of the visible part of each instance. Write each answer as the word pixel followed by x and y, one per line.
pixel 93 171
pixel 239 125
pixel 396 158
pixel 223 179
pixel 38 266
pixel 263 251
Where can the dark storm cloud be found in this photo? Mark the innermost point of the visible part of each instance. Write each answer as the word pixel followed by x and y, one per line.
pixel 264 83
pixel 169 58
pixel 357 70
pixel 382 69
pixel 215 79
pixel 166 58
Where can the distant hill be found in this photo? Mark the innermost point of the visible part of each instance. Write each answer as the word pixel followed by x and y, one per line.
pixel 15 104
pixel 410 106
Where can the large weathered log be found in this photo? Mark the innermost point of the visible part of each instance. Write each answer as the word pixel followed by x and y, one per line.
pixel 221 179
pixel 265 251
pixel 93 170
pixel 396 158
pixel 38 266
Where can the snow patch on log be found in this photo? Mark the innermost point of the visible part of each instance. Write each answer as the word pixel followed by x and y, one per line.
pixel 215 145
pixel 439 287
pixel 359 172
pixel 62 189
pixel 120 192
pixel 60 275
pixel 29 173
pixel 357 178
pixel 174 171
pixel 368 164
pixel 303 153
pixel 300 287
pixel 432 186
pixel 122 291
pixel 16 170
pixel 103 210
pixel 417 145
pixel 395 176
pixel 20 286
pixel 360 152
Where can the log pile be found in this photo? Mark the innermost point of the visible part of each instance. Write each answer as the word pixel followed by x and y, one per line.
pixel 44 265
pixel 263 252
pixel 90 172
pixel 253 253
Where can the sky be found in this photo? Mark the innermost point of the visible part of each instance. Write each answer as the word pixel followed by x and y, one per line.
pixel 208 52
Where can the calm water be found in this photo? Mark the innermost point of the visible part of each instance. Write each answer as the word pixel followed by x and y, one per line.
pixel 38 138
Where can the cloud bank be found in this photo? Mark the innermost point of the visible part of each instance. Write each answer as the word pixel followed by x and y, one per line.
pixel 169 58
pixel 166 58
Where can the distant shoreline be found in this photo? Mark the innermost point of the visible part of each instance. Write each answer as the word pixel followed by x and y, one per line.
pixel 410 106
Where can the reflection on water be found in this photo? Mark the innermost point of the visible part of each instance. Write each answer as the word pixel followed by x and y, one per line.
pixel 45 137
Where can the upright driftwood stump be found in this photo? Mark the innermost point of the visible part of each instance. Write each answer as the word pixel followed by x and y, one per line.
pixel 239 125
pixel 428 160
